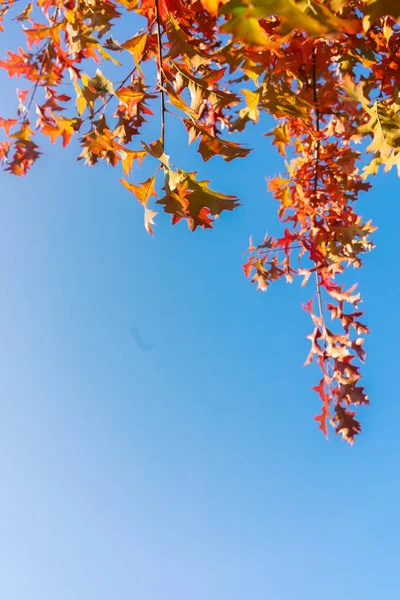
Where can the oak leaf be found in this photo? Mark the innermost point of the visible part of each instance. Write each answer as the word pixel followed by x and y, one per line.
pixel 143 192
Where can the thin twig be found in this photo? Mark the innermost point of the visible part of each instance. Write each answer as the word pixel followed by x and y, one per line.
pixel 110 97
pixel 45 53
pixel 316 166
pixel 269 250
pixel 160 74
pixel 317 119
pixel 131 72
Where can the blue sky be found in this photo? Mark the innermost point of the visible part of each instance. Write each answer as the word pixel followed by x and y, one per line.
pixel 194 470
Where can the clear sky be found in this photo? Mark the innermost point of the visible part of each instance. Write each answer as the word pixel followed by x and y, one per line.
pixel 193 471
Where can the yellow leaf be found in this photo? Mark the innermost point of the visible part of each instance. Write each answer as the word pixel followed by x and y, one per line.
pixel 310 16
pixel 128 4
pixel 252 100
pixel 130 157
pixel 211 6
pixel 25 133
pixel 108 56
pixel 136 46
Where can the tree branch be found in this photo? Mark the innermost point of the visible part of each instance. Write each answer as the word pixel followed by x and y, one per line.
pixel 45 52
pixel 316 166
pixel 317 118
pixel 160 73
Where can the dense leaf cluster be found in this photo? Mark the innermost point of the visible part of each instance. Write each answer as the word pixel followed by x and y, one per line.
pixel 328 71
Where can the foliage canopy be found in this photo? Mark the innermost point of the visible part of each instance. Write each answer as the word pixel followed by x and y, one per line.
pixel 328 71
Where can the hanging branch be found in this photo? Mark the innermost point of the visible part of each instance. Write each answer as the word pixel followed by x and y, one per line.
pixel 316 166
pixel 160 73
pixel 41 68
pixel 317 118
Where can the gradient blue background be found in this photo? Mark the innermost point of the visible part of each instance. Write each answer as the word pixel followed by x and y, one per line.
pixel 194 471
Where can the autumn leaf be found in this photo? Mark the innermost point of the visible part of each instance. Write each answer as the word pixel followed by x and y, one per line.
pixel 182 46
pixel 129 157
pixel 113 45
pixel 211 6
pixel 311 16
pixel 323 418
pixel 210 145
pixel 98 84
pixel 99 144
pixel 130 97
pixel 136 47
pixel 384 126
pixel 346 424
pixel 281 138
pixel 37 34
pixel 244 27
pixel 24 15
pixel 178 102
pixel 25 133
pixel 19 65
pixel 149 219
pixel 199 90
pixel 193 200
pixel 61 127
pixel 6 124
pixel 202 196
pixel 156 149
pixel 143 192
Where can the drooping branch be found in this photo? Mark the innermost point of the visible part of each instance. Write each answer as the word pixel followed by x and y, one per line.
pixel 160 73
pixel 42 65
pixel 316 166
pixel 317 119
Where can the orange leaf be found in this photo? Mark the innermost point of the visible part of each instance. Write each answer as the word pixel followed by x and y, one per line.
pixel 41 33
pixel 131 156
pixel 143 191
pixel 211 6
pixel 62 127
pixel 129 97
pixel 6 124
pixel 136 46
